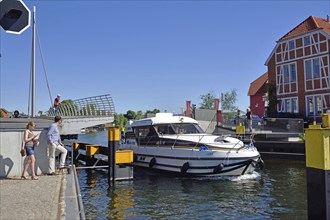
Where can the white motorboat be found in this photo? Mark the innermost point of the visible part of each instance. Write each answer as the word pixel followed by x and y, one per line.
pixel 177 144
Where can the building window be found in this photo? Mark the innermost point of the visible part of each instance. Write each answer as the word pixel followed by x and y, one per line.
pixel 295 105
pixel 288 105
pixel 291 45
pixel 316 68
pixel 286 78
pixel 312 69
pixel 308 69
pixel 310 106
pixel 307 41
pixel 286 73
pixel 317 104
pixel 293 73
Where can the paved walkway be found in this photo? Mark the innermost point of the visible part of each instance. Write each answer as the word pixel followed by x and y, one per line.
pixel 33 199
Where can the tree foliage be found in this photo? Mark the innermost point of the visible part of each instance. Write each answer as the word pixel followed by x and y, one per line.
pixel 229 100
pixel 130 115
pixel 207 100
pixel 120 121
pixel 272 99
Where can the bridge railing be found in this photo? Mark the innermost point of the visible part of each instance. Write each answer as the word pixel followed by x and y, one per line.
pixel 91 106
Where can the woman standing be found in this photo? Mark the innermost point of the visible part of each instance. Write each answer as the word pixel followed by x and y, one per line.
pixel 30 142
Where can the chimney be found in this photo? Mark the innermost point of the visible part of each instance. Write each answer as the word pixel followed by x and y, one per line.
pixel 328 18
pixel 188 110
pixel 216 104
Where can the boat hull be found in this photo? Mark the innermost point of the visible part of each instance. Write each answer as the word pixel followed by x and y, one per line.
pixel 196 162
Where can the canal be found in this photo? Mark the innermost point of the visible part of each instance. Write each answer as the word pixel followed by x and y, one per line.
pixel 277 192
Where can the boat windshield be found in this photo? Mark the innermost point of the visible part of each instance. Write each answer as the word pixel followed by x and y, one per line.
pixel 179 129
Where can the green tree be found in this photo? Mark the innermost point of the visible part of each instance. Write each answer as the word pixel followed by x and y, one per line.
pixel 130 115
pixel 155 111
pixel 139 115
pixel 272 99
pixel 207 100
pixel 1 115
pixel 120 121
pixel 229 100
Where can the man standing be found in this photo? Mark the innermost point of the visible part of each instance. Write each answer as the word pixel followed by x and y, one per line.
pixel 57 103
pixel 54 144
pixel 249 118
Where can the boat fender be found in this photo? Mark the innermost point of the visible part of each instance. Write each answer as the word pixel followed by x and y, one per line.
pixel 218 168
pixel 185 168
pixel 261 164
pixel 152 162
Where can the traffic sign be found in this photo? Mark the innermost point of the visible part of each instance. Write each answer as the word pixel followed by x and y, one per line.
pixel 14 16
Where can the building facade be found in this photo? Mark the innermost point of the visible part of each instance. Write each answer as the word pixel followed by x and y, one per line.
pixel 299 68
pixel 258 95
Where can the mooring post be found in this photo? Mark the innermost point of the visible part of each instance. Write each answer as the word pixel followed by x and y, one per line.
pixel 317 143
pixel 113 144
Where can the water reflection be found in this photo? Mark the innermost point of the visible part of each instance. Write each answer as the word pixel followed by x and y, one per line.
pixel 279 191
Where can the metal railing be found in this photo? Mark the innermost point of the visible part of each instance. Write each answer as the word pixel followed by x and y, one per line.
pixel 91 106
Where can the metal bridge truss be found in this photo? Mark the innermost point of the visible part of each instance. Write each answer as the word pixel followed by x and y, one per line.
pixel 99 106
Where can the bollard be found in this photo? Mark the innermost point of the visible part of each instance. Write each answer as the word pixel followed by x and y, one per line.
pixel 113 143
pixel 318 171
pixel 240 129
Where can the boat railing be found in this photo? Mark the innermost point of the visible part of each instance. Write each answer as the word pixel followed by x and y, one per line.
pixel 98 106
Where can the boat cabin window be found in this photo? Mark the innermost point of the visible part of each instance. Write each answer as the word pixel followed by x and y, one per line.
pixel 165 129
pixel 187 129
pixel 146 135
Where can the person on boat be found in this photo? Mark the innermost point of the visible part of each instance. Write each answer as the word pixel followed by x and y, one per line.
pixel 30 142
pixel 55 144
pixel 57 103
pixel 249 118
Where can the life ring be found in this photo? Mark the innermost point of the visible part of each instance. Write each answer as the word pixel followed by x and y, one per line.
pixel 152 162
pixel 185 168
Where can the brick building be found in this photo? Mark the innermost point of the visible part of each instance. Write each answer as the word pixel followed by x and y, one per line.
pixel 258 93
pixel 299 68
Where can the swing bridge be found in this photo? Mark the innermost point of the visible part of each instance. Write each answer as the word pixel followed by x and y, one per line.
pixel 85 112
pixel 76 114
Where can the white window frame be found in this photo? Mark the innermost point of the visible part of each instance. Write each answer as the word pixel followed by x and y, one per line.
pixel 285 102
pixel 284 48
pixel 315 104
pixel 281 79
pixel 323 73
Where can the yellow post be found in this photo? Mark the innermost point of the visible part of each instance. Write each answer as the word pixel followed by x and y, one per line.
pixel 240 129
pixel 317 144
pixel 113 143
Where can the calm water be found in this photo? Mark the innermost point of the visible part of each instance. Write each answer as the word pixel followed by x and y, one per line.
pixel 277 192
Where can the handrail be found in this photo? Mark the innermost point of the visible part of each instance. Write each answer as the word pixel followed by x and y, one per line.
pixel 91 106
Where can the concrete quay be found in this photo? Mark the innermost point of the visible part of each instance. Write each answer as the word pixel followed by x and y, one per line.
pixel 50 197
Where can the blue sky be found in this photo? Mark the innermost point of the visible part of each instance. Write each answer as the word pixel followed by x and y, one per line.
pixel 147 54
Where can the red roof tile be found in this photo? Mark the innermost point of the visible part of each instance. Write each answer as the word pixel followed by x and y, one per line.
pixel 310 24
pixel 257 84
